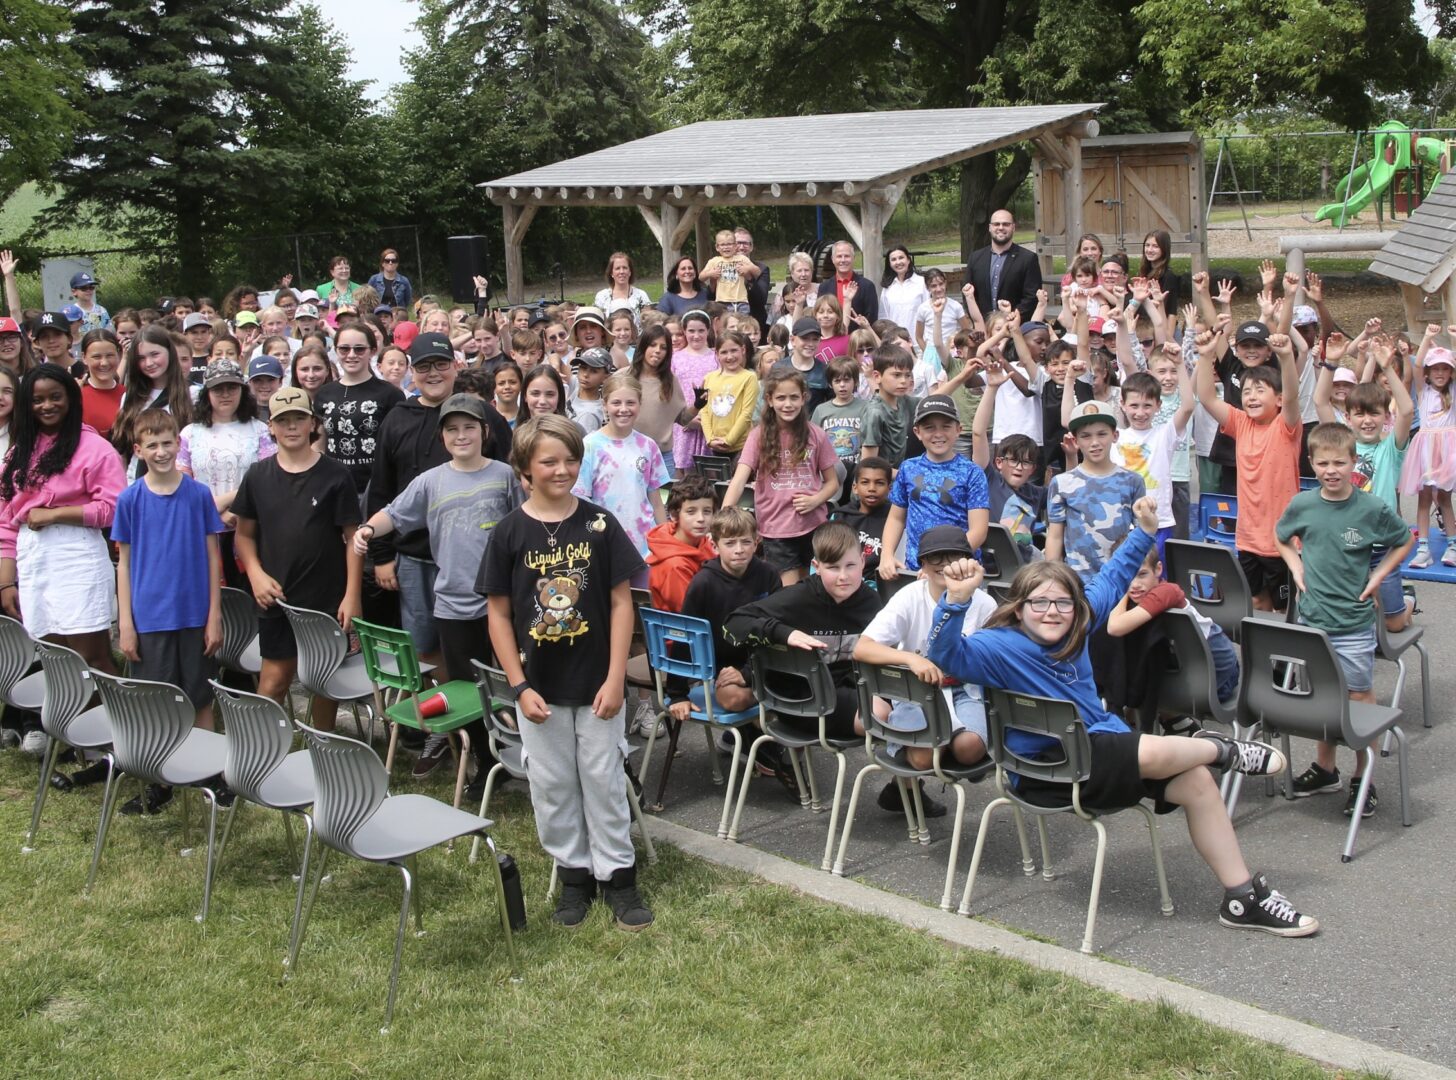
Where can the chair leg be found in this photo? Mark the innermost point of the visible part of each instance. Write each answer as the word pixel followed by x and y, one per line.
pixel 1425 683
pixel 404 910
pixel 484 802
pixel 731 833
pixel 288 834
pixel 955 846
pixel 804 778
pixel 922 831
pixel 227 829
pixel 636 801
pixel 647 753
pixel 965 908
pixel 1365 781
pixel 48 766
pixel 551 885
pixel 815 805
pixel 291 959
pixel 1028 866
pixel 417 899
pixel 713 754
pixel 211 851
pixel 907 803
pixel 301 916
pixel 1167 901
pixel 1047 873
pixel 674 729
pixel 389 754
pixel 840 766
pixel 1400 670
pixel 500 903
pixel 849 816
pixel 464 759
pixel 108 807
pixel 1096 885
pixel 1401 762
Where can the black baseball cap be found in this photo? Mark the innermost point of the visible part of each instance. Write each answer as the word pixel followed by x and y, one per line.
pixel 1252 331
pixel 596 357
pixel 804 326
pixel 467 404
pixel 936 405
pixel 945 540
pixel 431 346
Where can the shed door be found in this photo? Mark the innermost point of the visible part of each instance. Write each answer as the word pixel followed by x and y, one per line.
pixel 1152 192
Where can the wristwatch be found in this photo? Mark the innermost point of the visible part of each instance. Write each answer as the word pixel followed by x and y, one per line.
pixel 1326 365
pixel 520 688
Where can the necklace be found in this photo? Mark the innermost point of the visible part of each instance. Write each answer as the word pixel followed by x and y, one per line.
pixel 551 533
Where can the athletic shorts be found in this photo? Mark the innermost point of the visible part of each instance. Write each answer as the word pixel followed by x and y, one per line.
pixel 1114 781
pixel 176 657
pixel 789 552
pixel 1267 574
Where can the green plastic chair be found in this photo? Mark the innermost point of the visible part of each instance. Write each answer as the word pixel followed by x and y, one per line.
pixel 390 660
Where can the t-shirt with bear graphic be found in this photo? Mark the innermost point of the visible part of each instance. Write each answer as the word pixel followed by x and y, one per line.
pixel 936 493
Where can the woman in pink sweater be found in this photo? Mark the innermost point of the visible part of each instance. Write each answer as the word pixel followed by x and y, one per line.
pixel 58 490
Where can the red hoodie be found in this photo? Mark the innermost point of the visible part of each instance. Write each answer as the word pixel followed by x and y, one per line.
pixel 673 563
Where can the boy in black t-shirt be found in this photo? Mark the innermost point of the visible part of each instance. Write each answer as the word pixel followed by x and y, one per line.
pixel 297 513
pixel 872 480
pixel 557 574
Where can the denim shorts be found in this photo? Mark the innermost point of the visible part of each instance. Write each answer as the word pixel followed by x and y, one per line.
pixel 1356 653
pixel 417 601
pixel 968 710
pixel 1225 665
pixel 1392 589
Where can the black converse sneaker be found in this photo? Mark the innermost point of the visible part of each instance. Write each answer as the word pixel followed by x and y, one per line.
pixel 1316 780
pixel 1241 755
pixel 1265 908
pixel 1370 800
pixel 578 890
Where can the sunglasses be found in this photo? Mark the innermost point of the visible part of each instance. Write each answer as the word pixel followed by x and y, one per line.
pixel 389 260
pixel 348 350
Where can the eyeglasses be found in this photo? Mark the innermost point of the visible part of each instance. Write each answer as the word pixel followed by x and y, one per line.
pixel 555 337
pixel 1040 604
pixel 346 350
pixel 1017 463
pixel 389 260
pixel 435 365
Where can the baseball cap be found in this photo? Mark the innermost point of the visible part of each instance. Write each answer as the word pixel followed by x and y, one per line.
pixel 9 326
pixel 195 320
pixel 383 309
pixel 1439 355
pixel 1092 412
pixel 308 296
pixel 597 358
pixel 305 311
pixel 83 280
pixel 1344 374
pixel 165 305
pixel 805 326
pixel 221 372
pixel 1096 325
pixel 73 313
pixel 944 540
pixel 262 366
pixel 537 318
pixel 51 320
pixel 291 399
pixel 1252 331
pixel 468 404
pixel 245 318
pixel 431 346
pixel 936 405
pixel 1304 315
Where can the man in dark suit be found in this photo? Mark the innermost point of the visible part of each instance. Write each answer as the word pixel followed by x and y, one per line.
pixel 1004 270
pixel 864 296
pixel 758 288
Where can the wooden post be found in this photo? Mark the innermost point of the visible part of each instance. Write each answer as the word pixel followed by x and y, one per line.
pixel 703 234
pixel 1449 315
pixel 1072 193
pixel 673 223
pixel 516 219
pixel 875 211
pixel 1414 307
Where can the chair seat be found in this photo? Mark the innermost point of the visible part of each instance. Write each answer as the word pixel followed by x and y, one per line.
pixel 896 765
pixel 1370 721
pixel 351 681
pixel 513 756
pixel 639 672
pixel 1398 641
pixel 786 735
pixel 29 692
pixel 464 707
pixel 404 825
pixel 722 718
pixel 90 730
pixel 201 755
pixel 288 787
pixel 250 660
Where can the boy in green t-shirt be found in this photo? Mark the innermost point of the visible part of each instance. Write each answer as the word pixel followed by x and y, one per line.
pixel 1338 526
pixel 843 419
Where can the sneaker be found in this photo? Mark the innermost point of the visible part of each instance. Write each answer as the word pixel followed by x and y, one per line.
pixel 431 757
pixel 1316 781
pixel 891 802
pixel 157 796
pixel 9 737
pixel 94 773
pixel 1266 909
pixel 1448 557
pixel 1244 756
pixel 34 743
pixel 578 890
pixel 646 720
pixel 1181 725
pixel 1370 800
pixel 1422 558
pixel 621 895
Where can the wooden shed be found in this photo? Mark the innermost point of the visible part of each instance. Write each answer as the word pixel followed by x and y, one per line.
pixel 1131 186
pixel 1421 257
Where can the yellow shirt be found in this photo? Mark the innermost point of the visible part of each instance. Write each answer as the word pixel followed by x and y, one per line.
pixel 728 412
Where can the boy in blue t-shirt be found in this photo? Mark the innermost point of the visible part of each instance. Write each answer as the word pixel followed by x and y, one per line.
pixel 168 576
pixel 939 487
pixel 1090 506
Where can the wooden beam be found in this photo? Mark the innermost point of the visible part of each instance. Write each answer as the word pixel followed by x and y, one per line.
pixel 1052 149
pixel 703 234
pixel 516 220
pixel 873 214
pixel 1414 309
pixel 851 222
pixel 654 222
pixel 1072 194
pixel 687 221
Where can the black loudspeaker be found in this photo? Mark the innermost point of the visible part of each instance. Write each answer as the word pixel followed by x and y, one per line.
pixel 469 259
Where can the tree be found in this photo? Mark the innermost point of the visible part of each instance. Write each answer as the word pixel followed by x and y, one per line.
pixel 165 111
pixel 38 69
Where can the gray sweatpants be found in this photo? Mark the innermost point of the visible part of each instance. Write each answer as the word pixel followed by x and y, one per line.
pixel 574 761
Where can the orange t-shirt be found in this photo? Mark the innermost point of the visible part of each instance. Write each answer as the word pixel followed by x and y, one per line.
pixel 1268 462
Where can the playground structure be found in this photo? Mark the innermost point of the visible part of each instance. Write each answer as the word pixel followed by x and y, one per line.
pixel 1401 155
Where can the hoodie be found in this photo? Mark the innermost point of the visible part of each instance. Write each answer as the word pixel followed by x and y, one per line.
pixel 807 607
pixel 716 594
pixel 672 563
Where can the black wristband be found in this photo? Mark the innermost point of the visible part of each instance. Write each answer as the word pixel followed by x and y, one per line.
pixel 520 688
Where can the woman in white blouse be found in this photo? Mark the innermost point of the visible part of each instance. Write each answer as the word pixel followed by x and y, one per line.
pixel 902 290
pixel 620 292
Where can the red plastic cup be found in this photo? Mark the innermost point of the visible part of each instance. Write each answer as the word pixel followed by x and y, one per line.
pixel 434 705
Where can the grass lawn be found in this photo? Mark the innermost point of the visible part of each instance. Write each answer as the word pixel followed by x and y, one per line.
pixel 737 978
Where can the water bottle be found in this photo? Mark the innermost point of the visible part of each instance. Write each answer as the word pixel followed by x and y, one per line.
pixel 511 886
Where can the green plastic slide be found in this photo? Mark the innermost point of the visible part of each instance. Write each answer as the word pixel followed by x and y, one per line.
pixel 1370 180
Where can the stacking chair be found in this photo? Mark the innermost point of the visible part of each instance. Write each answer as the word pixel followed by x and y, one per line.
pixel 1393 645
pixel 355 815
pixel 155 742
pixel 1211 577
pixel 505 743
pixel 1294 685
pixel 1069 763
pixel 325 668
pixel 1000 559
pixel 745 501
pixel 714 466
pixel 20 687
pixel 796 682
pixel 896 684
pixel 239 650
pixel 260 769
pixel 66 720
pixel 680 646
pixel 1217 517
pixel 889 588
pixel 391 664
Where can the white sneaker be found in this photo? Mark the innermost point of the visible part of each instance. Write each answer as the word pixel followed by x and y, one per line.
pixel 1422 557
pixel 645 720
pixel 1448 557
pixel 9 737
pixel 34 743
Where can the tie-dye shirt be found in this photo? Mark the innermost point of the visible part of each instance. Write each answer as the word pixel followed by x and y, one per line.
pixel 618 474
pixel 1097 513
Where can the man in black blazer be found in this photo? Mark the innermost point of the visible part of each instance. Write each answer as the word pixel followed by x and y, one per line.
pixel 1004 270
pixel 866 298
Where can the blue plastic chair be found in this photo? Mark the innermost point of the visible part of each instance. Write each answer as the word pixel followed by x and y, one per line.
pixel 1308 483
pixel 1224 509
pixel 681 646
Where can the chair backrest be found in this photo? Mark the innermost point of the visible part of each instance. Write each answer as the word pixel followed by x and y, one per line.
pixel 713 466
pixel 745 501
pixel 894 682
pixel 679 645
pixel 494 688
pixel 349 782
pixel 377 641
pixel 889 588
pixel 1217 517
pixel 259 738
pixel 1068 762
pixel 1293 683
pixel 1189 685
pixel 17 654
pixel 322 646
pixel 791 682
pixel 239 626
pixel 149 721
pixel 1213 580
pixel 1000 555
pixel 1308 483
pixel 68 688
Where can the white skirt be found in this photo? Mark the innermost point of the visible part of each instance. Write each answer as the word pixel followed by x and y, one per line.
pixel 67 582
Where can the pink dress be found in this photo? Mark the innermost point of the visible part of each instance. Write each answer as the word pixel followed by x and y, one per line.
pixel 1431 459
pixel 691 369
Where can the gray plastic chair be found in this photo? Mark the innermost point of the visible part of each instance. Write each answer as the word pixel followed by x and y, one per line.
pixel 325 668
pixel 239 650
pixel 774 670
pixel 1393 645
pixel 888 588
pixel 745 501
pixel 65 718
pixel 1004 559
pixel 1214 582
pixel 1069 764
pixel 19 686
pixel 263 768
pixel 355 815
pixel 1294 685
pixel 154 741
pixel 895 683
